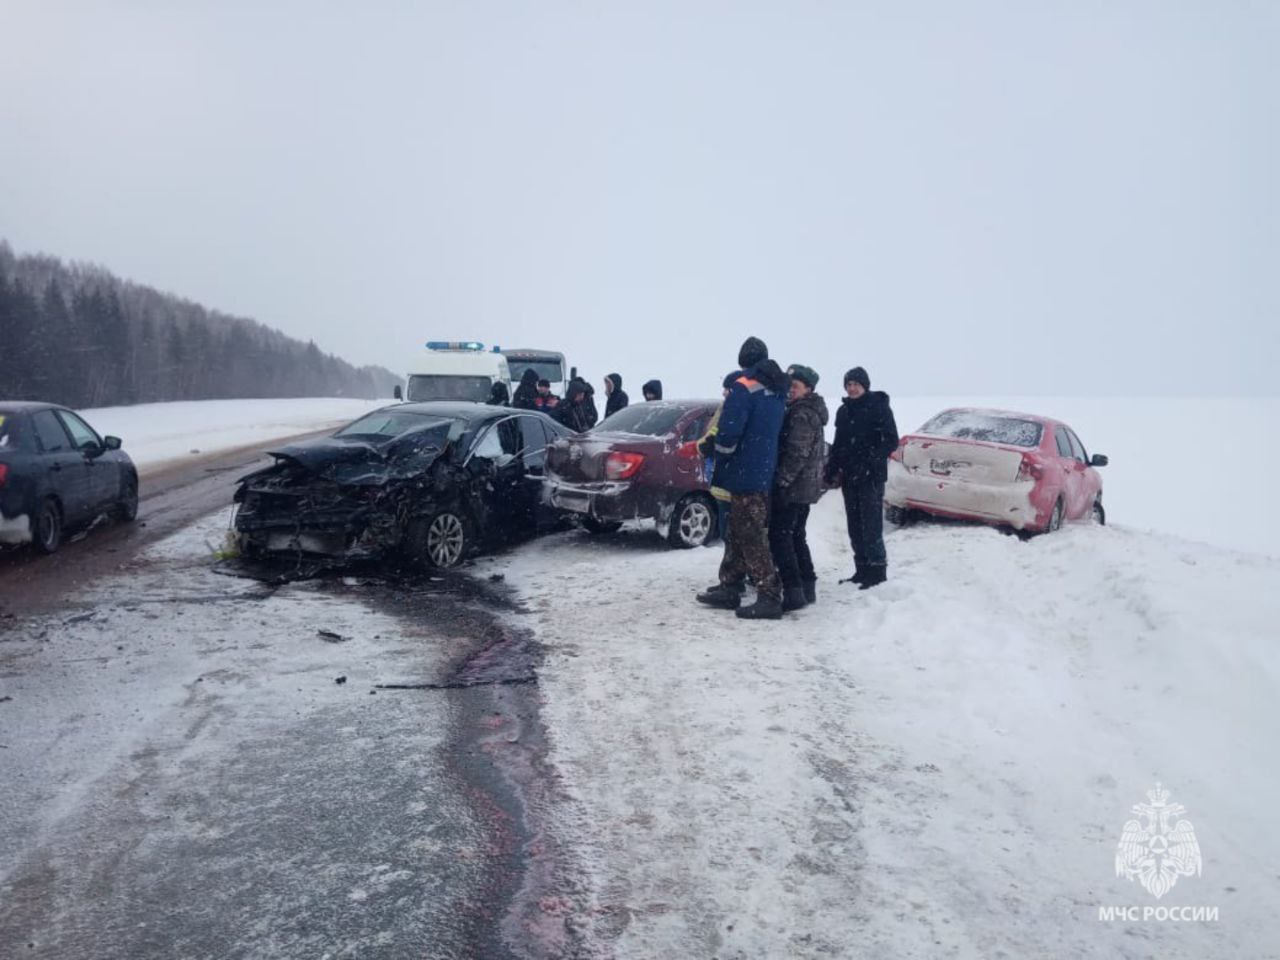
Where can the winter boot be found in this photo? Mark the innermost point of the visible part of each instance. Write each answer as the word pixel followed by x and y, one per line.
pixel 874 576
pixel 723 596
pixel 765 608
pixel 811 591
pixel 793 599
pixel 859 574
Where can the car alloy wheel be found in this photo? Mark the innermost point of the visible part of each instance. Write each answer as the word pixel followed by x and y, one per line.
pixel 694 522
pixel 446 539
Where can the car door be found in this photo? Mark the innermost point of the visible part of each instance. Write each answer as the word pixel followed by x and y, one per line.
pixel 497 448
pixel 1090 482
pixel 66 469
pixel 104 471
pixel 1067 467
pixel 535 435
pixel 688 466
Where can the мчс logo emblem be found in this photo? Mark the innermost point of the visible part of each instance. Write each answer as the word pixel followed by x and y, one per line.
pixel 1155 852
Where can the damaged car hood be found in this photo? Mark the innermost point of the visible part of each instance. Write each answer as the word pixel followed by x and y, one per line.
pixel 357 461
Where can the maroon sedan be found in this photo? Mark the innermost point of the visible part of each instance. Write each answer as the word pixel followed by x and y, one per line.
pixel 641 463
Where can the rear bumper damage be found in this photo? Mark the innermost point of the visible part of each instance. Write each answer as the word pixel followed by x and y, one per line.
pixel 1009 504
pixel 605 500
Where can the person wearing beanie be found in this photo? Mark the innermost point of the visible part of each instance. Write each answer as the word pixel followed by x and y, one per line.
pixel 617 398
pixel 797 485
pixel 545 400
pixel 652 390
pixel 746 451
pixel 499 395
pixel 866 434
pixel 526 396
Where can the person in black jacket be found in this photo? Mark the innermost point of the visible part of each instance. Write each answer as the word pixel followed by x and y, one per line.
pixel 865 436
pixel 577 410
pixel 526 397
pixel 618 399
pixel 499 396
pixel 652 390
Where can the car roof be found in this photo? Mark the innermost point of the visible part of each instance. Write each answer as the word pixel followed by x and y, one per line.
pixel 28 406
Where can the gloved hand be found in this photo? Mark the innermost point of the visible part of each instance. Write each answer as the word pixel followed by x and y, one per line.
pixel 707 446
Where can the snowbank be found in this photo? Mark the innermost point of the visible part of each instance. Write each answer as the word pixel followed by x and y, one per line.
pixel 940 767
pixel 157 434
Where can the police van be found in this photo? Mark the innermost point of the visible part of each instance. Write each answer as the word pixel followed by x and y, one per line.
pixel 456 370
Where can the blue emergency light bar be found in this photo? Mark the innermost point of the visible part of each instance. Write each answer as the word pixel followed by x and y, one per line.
pixel 454 345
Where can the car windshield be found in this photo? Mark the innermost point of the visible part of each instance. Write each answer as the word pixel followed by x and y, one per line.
pixel 385 424
pixel 436 386
pixel 551 370
pixel 643 419
pixel 987 427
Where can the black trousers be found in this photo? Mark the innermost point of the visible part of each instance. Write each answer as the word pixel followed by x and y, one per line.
pixel 789 543
pixel 864 511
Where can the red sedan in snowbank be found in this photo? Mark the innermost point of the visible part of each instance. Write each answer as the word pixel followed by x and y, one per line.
pixel 1014 469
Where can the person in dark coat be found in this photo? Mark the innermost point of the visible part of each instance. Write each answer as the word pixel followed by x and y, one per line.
pixel 747 440
pixel 865 436
pixel 544 399
pixel 652 390
pixel 526 397
pixel 578 409
pixel 499 396
pixel 618 399
pixel 797 485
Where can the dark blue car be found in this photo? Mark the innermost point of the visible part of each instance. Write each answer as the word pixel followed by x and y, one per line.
pixel 56 473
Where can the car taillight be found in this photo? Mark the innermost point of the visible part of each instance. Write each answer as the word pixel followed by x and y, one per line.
pixel 622 466
pixel 4 473
pixel 1028 469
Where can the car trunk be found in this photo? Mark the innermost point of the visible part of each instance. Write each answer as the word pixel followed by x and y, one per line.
pixel 969 460
pixel 582 459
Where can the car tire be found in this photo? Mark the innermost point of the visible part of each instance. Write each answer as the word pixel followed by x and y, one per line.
pixel 127 506
pixel 693 522
pixel 441 540
pixel 47 534
pixel 900 516
pixel 1056 517
pixel 1099 513
pixel 594 525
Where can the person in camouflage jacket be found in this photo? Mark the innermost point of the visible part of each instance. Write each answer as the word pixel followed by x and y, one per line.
pixel 797 485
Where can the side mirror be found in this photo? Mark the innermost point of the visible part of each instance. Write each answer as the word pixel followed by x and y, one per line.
pixel 1098 460
pixel 112 443
pixel 398 393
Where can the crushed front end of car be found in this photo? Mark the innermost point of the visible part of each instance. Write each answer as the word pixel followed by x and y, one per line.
pixel 340 498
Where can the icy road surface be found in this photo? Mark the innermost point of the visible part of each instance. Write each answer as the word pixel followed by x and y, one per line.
pixel 940 767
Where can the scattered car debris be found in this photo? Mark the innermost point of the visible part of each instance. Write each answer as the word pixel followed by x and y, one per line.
pixel 78 618
pixel 331 637
pixel 340 680
pixel 5 699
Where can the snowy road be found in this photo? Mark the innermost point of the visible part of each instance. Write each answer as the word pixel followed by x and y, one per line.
pixel 939 768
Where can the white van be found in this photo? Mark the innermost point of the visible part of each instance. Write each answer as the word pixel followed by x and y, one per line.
pixel 456 370
pixel 547 364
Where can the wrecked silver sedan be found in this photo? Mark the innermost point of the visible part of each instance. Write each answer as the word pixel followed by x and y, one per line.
pixel 430 482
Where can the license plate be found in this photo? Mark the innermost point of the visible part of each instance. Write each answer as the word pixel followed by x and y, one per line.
pixel 576 504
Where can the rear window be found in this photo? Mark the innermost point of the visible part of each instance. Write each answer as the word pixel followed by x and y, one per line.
pixel 990 428
pixel 389 423
pixel 9 435
pixel 643 419
pixel 436 386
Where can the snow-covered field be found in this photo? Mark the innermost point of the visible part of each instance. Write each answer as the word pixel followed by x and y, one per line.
pixel 161 434
pixel 941 767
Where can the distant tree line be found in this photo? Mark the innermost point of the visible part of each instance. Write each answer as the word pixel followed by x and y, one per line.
pixel 77 335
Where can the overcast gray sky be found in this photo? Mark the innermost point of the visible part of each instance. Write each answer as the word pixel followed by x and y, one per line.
pixel 976 197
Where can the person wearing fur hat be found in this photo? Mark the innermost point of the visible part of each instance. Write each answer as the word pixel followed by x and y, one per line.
pixel 746 450
pixel 797 485
pixel 866 434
